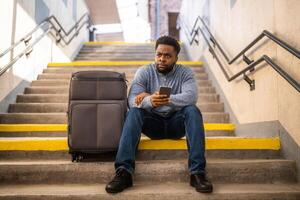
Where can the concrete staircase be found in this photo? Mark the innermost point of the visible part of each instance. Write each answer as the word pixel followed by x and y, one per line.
pixel 34 162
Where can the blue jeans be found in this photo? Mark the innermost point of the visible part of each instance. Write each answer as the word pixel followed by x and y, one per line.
pixel 186 122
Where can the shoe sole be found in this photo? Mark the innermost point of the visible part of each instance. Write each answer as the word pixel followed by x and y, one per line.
pixel 116 191
pixel 202 191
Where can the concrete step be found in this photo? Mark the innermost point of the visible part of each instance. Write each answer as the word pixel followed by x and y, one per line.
pixel 119 63
pixel 125 69
pixel 47 90
pixel 65 90
pixel 34 134
pixel 40 130
pixel 129 76
pixel 63 98
pixel 121 55
pixel 148 154
pixel 63 107
pixel 49 82
pixel 218 170
pixel 132 54
pixel 117 51
pixel 42 98
pixel 60 130
pixel 209 133
pixel 37 107
pixel 33 118
pixel 52 148
pixel 119 46
pixel 110 53
pixel 61 118
pixel 149 191
pixel 127 50
pixel 118 58
pixel 143 155
pixel 133 49
pixel 128 63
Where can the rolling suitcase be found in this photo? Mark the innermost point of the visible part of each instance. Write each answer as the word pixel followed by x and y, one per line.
pixel 96 112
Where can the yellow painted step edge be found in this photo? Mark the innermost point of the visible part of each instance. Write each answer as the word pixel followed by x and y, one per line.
pixel 63 127
pixel 232 143
pixel 113 63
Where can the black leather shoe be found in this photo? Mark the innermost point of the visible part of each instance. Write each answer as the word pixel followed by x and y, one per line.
pixel 121 181
pixel 200 183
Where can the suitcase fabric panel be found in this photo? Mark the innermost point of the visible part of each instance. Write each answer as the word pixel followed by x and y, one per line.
pixel 98 90
pixel 96 125
pixel 110 119
pixel 83 126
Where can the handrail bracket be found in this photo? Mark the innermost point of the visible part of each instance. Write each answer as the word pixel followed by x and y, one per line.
pixel 250 81
pixel 26 40
pixel 28 51
pixel 247 60
pixel 58 36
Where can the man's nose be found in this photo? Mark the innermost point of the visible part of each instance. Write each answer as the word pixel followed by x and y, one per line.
pixel 162 58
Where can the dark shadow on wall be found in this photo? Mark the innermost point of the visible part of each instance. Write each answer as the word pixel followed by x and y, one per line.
pixel 232 3
pixel 41 12
pixel 65 2
pixel 11 97
pixel 74 13
pixel 205 14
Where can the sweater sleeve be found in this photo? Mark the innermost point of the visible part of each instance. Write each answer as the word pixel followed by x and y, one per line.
pixel 139 85
pixel 189 91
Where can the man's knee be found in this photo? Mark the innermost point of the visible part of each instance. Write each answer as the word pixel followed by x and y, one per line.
pixel 135 112
pixel 191 110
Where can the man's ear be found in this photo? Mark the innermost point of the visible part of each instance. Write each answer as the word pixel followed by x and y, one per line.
pixel 176 58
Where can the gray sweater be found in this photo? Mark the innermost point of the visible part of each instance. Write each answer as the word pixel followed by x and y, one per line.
pixel 181 79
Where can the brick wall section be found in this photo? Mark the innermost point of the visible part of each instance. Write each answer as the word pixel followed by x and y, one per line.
pixel 166 6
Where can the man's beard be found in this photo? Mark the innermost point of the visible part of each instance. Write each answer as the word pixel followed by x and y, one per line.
pixel 164 70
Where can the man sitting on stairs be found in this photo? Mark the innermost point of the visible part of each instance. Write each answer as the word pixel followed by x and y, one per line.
pixel 161 117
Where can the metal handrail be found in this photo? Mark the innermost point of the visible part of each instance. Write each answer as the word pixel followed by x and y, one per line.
pixel 60 32
pixel 67 33
pixel 266 33
pixel 250 63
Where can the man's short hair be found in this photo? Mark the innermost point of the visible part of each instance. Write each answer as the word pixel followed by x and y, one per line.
pixel 168 41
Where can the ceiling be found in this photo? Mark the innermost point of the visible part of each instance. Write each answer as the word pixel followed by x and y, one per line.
pixel 103 11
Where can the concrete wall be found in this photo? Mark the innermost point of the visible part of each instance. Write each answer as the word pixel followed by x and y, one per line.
pixel 273 108
pixel 235 24
pixel 17 18
pixel 110 37
pixel 165 6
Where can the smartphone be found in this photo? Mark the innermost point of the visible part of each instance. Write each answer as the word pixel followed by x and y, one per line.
pixel 165 90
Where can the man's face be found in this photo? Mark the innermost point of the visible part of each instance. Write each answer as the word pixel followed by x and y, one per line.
pixel 165 58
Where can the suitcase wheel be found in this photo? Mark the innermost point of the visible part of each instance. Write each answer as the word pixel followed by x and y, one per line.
pixel 77 157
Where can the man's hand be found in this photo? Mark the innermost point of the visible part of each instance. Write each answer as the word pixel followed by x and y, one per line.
pixel 159 99
pixel 139 98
